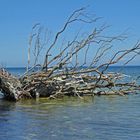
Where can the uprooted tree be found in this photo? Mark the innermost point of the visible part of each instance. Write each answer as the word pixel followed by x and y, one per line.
pixel 72 70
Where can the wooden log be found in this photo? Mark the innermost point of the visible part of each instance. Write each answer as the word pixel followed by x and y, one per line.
pixel 11 87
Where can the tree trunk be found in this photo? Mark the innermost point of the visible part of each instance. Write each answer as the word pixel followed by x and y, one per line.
pixel 11 87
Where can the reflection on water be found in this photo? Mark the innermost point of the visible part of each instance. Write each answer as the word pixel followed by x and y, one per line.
pixel 106 117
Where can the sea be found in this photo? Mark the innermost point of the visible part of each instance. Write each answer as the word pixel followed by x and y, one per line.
pixel 93 118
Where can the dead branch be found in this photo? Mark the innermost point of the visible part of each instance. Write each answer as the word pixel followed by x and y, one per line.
pixel 65 74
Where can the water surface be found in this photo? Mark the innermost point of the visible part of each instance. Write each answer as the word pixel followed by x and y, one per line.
pixel 106 117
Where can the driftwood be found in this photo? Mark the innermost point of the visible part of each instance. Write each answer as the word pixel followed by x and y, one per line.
pixel 11 87
pixel 63 74
pixel 40 85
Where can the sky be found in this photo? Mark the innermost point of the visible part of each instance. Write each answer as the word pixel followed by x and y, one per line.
pixel 18 16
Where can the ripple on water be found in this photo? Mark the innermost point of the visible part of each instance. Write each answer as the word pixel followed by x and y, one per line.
pixel 111 117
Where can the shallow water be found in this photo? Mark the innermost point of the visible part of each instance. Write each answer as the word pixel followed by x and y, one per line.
pixel 106 117
pixel 99 118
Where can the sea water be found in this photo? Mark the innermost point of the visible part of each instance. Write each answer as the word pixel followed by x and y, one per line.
pixel 97 118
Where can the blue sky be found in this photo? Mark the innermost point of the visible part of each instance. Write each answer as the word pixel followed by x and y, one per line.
pixel 18 16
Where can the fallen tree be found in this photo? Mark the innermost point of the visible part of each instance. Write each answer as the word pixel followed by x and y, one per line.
pixel 64 74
